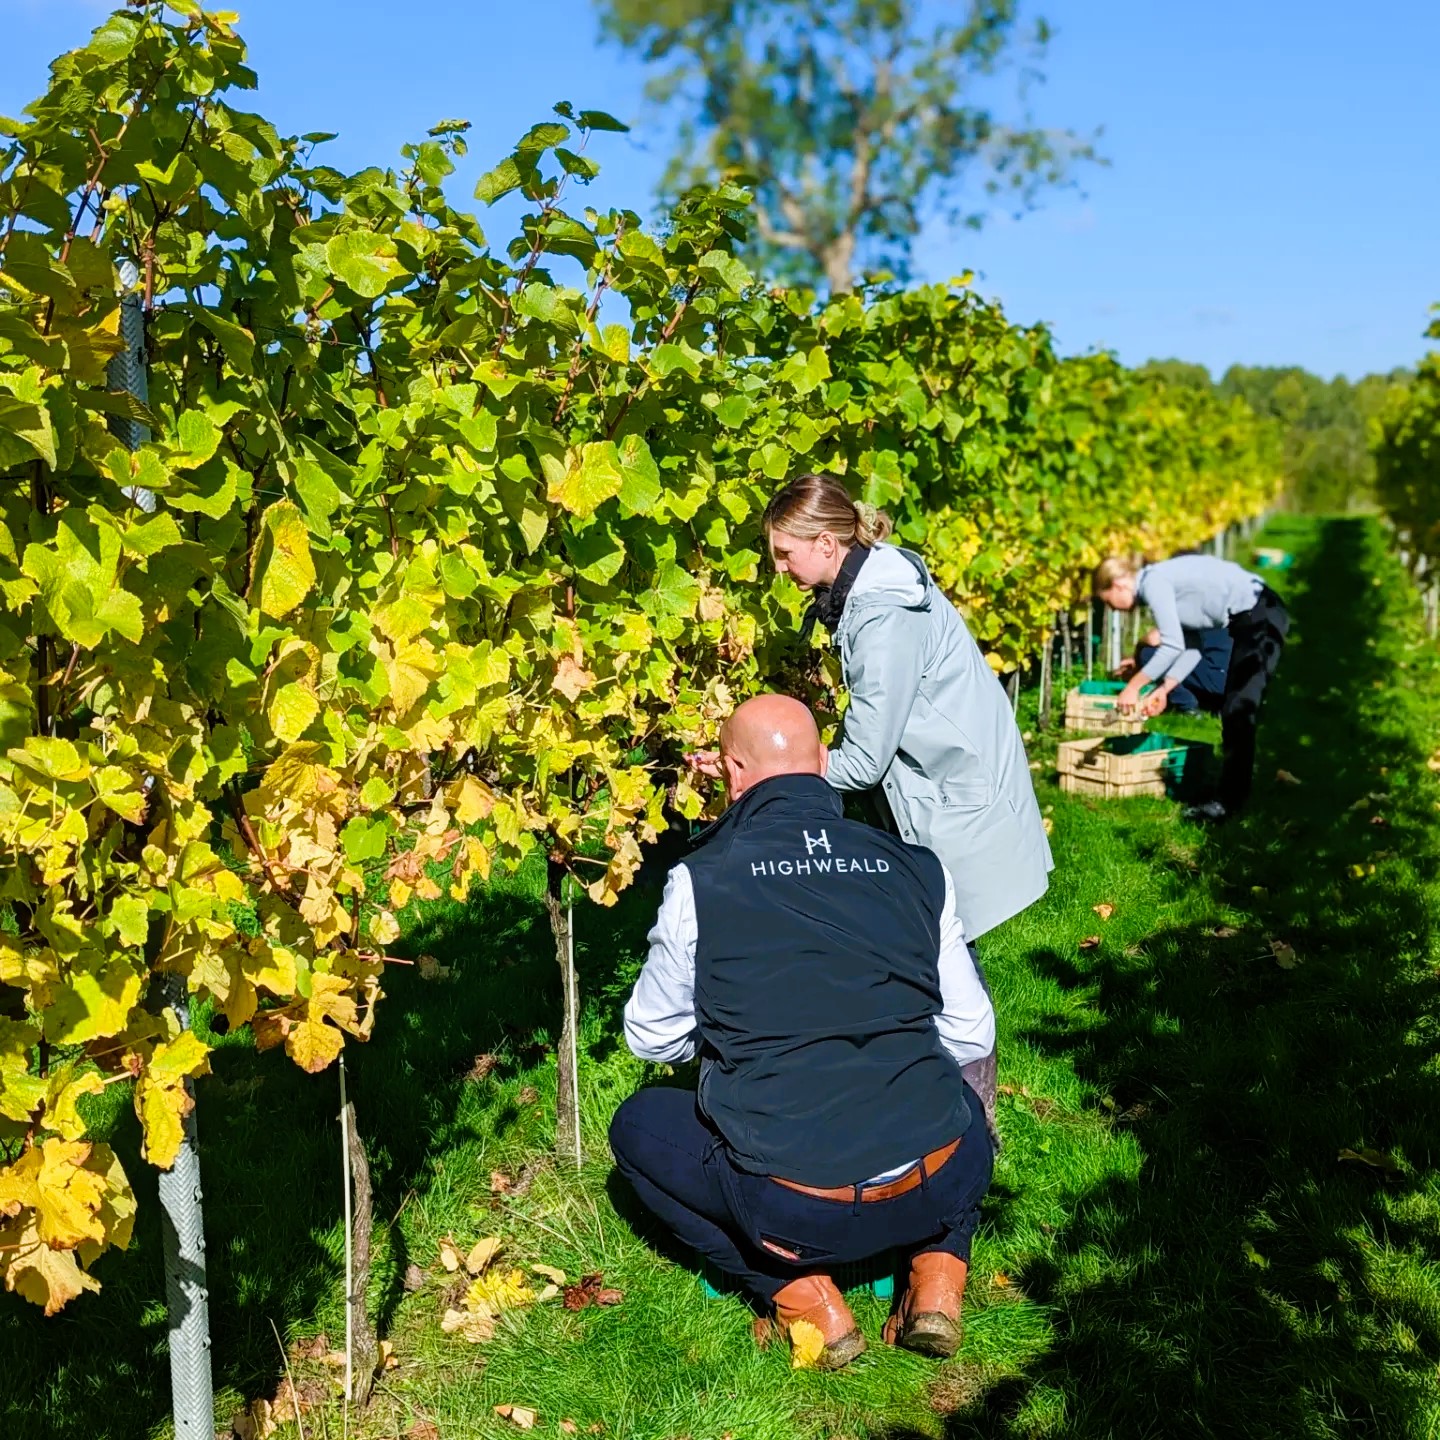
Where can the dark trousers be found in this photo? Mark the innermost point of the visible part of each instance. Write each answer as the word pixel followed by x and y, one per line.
pixel 764 1234
pixel 1204 687
pixel 1259 637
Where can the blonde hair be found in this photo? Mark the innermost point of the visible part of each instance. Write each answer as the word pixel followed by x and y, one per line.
pixel 813 504
pixel 1108 571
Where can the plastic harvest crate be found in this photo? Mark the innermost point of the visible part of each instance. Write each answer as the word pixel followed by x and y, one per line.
pixel 1267 559
pixel 1117 766
pixel 1091 706
pixel 876 1275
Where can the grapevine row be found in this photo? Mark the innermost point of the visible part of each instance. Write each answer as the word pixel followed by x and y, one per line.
pixel 439 551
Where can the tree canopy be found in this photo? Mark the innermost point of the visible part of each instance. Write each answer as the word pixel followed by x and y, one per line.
pixel 855 121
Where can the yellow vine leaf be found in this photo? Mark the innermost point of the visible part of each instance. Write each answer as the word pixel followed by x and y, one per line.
pixel 807 1345
pixel 283 570
pixel 93 1002
pixel 46 1277
pixel 572 679
pixel 161 1098
pixel 51 1181
pixel 591 476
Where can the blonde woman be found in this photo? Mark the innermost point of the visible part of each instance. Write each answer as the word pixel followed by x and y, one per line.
pixel 1187 595
pixel 928 729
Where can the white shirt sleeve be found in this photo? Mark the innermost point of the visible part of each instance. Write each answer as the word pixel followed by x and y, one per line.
pixel 967 1020
pixel 660 1014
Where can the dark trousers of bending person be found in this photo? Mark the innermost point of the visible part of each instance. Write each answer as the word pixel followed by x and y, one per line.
pixel 1258 637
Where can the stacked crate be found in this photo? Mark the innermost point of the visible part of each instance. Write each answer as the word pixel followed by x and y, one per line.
pixel 1118 766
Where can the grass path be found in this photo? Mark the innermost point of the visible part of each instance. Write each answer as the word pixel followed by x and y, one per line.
pixel 1172 1246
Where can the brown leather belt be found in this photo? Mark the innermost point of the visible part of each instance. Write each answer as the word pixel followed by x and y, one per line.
pixel 888 1191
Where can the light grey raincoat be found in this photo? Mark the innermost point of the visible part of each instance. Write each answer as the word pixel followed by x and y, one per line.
pixel 929 723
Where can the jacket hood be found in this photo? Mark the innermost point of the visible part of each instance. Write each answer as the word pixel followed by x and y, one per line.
pixel 892 576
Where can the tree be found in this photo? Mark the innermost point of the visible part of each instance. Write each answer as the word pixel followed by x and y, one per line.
pixel 1328 423
pixel 855 120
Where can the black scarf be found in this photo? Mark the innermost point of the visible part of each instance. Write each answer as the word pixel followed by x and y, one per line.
pixel 828 603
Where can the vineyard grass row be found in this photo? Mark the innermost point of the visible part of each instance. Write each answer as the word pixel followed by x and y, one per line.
pixel 1171 1246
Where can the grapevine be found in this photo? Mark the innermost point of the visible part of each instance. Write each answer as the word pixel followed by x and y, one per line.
pixel 453 550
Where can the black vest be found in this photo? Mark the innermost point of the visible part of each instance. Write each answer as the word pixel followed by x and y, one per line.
pixel 817 987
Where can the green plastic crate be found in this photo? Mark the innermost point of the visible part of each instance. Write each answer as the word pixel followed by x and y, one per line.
pixel 1265 558
pixel 1126 765
pixel 1091 706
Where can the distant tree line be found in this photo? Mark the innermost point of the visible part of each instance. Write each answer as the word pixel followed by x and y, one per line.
pixel 1329 425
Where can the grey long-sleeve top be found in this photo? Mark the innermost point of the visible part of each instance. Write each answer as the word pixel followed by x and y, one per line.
pixel 1191 592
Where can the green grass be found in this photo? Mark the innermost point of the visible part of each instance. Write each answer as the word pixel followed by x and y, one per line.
pixel 1171 1246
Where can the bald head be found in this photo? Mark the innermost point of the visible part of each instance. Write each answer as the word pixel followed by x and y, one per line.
pixel 769 735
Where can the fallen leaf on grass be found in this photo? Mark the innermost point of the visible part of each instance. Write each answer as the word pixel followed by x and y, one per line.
pixel 527 1096
pixel 1090 942
pixel 388 1359
pixel 1048 824
pixel 1375 1159
pixel 1285 956
pixel 482 1066
pixel 449 1255
pixel 520 1415
pixel 482 1253
pixel 1375 797
pixel 493 1293
pixel 431 969
pixel 254 1422
pixel 414 1279
pixel 1253 1255
pixel 1286 778
pixel 591 1290
pixel 1359 872
pixel 475 1328
pixel 1379 820
pixel 1225 932
pixel 1000 1279
pixel 316 1349
pixel 1104 910
pixel 550 1273
pixel 569 1427
pixel 807 1345
pixel 262 1418
pixel 500 1183
pixel 423 1430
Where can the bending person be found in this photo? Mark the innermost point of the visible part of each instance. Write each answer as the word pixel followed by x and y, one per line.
pixel 1198 592
pixel 817 967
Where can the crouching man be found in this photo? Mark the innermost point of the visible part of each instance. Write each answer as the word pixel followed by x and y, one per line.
pixel 817 967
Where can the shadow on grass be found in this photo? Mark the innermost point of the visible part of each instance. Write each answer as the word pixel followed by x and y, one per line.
pixel 270 1163
pixel 1250 1283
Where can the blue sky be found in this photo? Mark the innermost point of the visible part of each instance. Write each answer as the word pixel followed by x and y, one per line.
pixel 1273 195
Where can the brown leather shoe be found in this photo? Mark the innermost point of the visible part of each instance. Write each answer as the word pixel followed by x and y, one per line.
pixel 927 1319
pixel 817 1299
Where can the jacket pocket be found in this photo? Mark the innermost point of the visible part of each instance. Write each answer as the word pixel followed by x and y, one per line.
pixel 965 794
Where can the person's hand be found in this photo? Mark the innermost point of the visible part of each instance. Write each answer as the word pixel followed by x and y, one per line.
pixel 1128 699
pixel 704 762
pixel 1125 669
pixel 1156 704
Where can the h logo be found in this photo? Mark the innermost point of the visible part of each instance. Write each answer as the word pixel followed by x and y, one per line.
pixel 816 842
